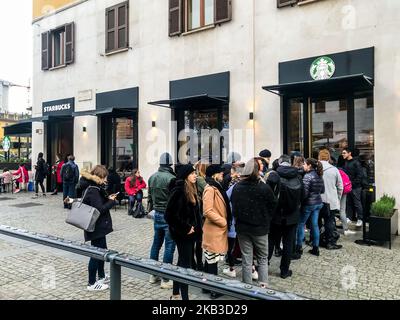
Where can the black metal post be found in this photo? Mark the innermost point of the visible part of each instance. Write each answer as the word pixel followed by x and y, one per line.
pixel 115 280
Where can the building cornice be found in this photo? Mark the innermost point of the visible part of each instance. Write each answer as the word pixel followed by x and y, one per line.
pixel 69 6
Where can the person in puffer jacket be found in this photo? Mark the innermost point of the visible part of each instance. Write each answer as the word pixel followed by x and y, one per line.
pixel 312 202
pixel 134 186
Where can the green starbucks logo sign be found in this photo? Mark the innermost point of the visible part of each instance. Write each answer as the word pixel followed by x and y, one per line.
pixel 6 143
pixel 322 68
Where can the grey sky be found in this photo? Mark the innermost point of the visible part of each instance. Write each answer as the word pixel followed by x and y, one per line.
pixel 16 49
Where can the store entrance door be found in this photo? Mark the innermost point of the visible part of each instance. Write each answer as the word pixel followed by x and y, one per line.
pixel 60 140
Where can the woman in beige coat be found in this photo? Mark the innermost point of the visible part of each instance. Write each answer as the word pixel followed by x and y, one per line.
pixel 217 213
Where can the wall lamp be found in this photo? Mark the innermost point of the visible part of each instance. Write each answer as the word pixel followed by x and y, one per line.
pixel 153 124
pixel 251 115
pixel 84 129
pixel 39 131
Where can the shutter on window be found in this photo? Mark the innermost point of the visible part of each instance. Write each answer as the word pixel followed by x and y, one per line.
pixel 69 43
pixel 45 50
pixel 123 26
pixel 223 11
pixel 284 3
pixel 175 17
pixel 110 29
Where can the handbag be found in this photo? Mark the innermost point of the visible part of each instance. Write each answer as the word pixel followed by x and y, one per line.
pixel 138 212
pixel 82 215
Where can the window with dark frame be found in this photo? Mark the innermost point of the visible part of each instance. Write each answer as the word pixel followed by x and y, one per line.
pixel 117 27
pixel 320 107
pixel 58 47
pixel 191 15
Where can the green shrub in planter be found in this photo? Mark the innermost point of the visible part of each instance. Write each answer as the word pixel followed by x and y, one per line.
pixel 390 200
pixel 382 209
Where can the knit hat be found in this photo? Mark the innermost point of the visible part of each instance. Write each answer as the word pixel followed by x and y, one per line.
pixel 166 160
pixel 265 153
pixel 214 169
pixel 184 171
pixel 324 155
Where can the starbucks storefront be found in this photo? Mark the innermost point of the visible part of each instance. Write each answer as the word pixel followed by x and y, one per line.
pixel 328 102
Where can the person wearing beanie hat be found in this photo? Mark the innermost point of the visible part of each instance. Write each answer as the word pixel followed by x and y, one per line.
pixel 218 218
pixel 266 158
pixel 158 195
pixel 166 160
pixel 184 221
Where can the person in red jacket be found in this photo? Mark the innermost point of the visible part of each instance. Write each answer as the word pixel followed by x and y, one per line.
pixel 56 171
pixel 133 187
pixel 22 177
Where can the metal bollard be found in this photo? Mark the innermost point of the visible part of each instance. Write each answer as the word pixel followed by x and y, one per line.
pixel 115 278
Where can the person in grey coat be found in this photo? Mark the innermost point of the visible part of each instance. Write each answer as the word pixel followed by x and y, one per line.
pixel 333 193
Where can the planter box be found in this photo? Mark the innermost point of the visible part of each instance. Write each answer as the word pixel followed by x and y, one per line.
pixel 382 229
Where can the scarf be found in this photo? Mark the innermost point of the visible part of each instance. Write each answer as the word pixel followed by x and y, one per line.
pixel 211 182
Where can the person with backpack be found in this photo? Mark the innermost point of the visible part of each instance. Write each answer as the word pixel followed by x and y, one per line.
pixel 312 203
pixel 343 201
pixel 288 188
pixel 333 185
pixel 253 204
pixel 41 172
pixel 70 176
pixel 354 170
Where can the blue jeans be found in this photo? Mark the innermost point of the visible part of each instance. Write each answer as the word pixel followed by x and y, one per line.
pixel 161 232
pixel 68 191
pixel 314 212
pixel 137 197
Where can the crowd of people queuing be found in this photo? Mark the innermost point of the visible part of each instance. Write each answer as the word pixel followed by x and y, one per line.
pixel 241 213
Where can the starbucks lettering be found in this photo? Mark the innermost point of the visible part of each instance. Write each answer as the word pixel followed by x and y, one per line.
pixel 62 107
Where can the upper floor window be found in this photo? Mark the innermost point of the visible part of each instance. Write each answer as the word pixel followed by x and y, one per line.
pixel 117 27
pixel 285 3
pixel 58 47
pixel 189 15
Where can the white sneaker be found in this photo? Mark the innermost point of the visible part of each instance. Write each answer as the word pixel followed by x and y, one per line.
pixel 349 232
pixel 105 280
pixel 349 221
pixel 254 275
pixel 230 273
pixel 98 286
pixel 166 284
pixel 359 223
pixel 154 279
pixel 17 190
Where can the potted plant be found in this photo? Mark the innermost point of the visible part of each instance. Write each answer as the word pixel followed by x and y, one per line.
pixel 383 221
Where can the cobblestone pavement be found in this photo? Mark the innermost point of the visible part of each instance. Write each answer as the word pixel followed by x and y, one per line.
pixel 354 272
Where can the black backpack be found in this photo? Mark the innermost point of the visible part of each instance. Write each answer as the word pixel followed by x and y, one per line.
pixel 290 194
pixel 69 173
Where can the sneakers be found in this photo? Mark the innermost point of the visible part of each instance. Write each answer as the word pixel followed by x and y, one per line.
pixel 105 280
pixel 17 190
pixel 154 279
pixel 349 232
pixel 166 284
pixel 254 275
pixel 349 221
pixel 178 297
pixel 230 273
pixel 359 223
pixel 314 251
pixel 98 286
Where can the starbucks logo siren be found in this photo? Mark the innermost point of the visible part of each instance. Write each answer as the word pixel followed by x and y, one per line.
pixel 322 68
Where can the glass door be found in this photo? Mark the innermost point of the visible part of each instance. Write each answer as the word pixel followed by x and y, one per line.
pixel 202 135
pixel 295 126
pixel 329 125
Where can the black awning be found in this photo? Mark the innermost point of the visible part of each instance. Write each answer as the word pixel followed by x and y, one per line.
pixel 357 82
pixel 199 101
pixel 23 129
pixel 36 119
pixel 106 111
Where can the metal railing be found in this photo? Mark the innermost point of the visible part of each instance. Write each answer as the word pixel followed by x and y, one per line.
pixel 232 288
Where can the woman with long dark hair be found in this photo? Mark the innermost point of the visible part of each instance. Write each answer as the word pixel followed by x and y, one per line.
pixel 185 222
pixel 312 202
pixel 133 187
pixel 40 175
pixel 56 171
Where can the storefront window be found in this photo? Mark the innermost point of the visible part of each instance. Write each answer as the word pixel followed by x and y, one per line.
pixel 329 128
pixel 295 126
pixel 364 132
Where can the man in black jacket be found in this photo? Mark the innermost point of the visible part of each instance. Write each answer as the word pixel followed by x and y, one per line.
pixel 354 170
pixel 287 213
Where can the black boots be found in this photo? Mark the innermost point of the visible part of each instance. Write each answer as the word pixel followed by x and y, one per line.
pixel 297 253
pixel 314 251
